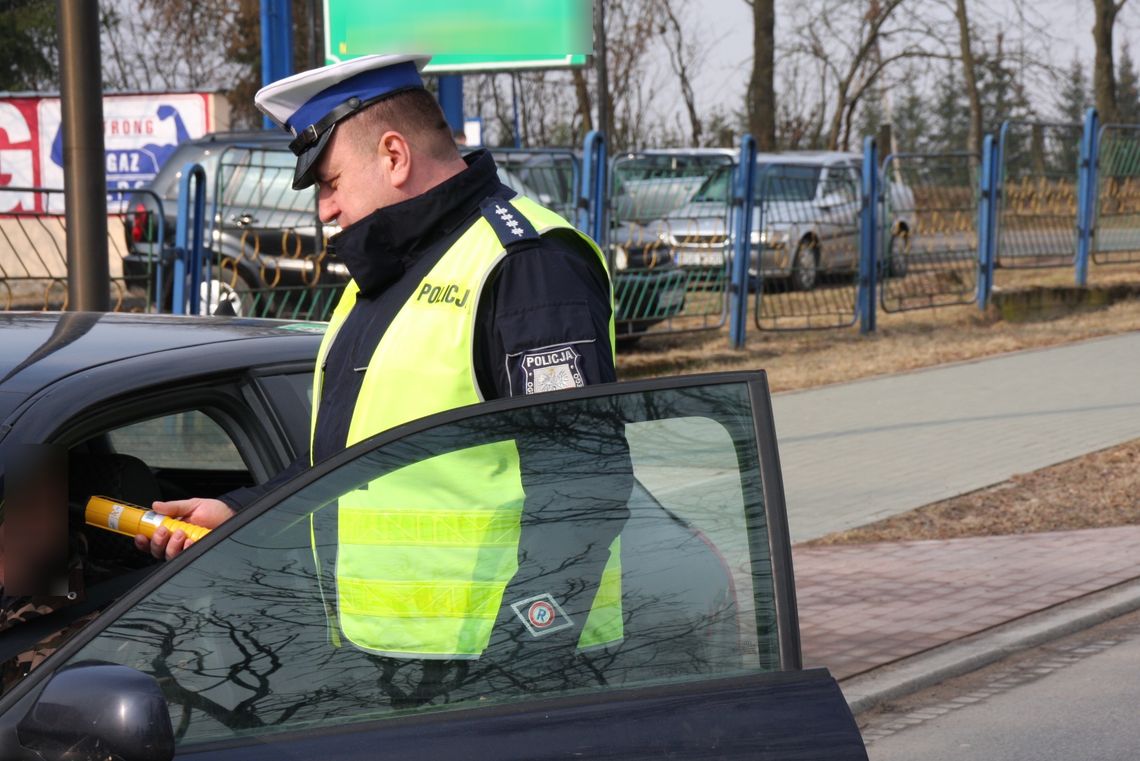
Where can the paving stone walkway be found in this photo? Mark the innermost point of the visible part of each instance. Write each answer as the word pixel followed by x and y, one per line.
pixel 864 606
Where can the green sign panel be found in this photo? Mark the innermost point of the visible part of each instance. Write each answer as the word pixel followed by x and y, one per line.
pixel 463 35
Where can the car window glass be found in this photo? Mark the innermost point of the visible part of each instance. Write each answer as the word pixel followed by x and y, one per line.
pixel 293 622
pixel 841 184
pixel 786 182
pixel 717 188
pixel 260 183
pixel 184 440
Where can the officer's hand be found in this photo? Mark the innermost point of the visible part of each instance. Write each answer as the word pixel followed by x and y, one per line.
pixel 210 513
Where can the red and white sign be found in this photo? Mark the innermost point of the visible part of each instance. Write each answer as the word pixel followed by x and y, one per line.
pixel 139 133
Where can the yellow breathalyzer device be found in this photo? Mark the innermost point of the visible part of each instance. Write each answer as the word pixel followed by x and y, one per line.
pixel 129 520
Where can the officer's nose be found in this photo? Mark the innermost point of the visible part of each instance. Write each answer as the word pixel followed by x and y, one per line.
pixel 327 209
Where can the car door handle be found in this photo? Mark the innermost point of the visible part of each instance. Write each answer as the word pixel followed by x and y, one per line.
pixel 243 220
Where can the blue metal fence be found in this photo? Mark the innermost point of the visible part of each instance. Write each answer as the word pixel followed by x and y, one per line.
pixel 929 241
pixel 923 230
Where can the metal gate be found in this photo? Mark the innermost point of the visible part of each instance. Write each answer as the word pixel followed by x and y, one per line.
pixel 804 248
pixel 1117 237
pixel 33 248
pixel 550 177
pixel 929 241
pixel 269 254
pixel 1037 219
pixel 669 240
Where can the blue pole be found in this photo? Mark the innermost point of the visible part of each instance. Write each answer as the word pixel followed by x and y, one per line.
pixel 451 100
pixel 592 193
pixel 1086 195
pixel 600 231
pixel 276 43
pixel 743 201
pixel 284 46
pixel 159 272
pixel 987 208
pixel 868 237
pixel 188 256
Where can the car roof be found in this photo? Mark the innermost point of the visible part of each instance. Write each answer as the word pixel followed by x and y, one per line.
pixel 41 348
pixel 815 158
pixel 245 136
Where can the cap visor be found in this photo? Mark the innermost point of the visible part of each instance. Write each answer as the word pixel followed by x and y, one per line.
pixel 306 162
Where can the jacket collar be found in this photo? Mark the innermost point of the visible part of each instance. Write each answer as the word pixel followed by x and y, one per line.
pixel 378 249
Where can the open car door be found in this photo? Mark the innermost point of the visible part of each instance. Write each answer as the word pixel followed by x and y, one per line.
pixel 245 640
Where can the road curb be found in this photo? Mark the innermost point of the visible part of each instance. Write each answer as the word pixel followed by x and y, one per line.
pixel 865 691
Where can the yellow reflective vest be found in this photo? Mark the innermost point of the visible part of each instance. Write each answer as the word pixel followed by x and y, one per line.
pixel 425 553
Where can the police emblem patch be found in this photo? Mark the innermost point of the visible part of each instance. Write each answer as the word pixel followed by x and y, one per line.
pixel 550 369
pixel 541 615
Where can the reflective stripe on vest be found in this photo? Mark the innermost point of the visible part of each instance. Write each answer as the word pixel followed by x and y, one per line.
pixel 425 553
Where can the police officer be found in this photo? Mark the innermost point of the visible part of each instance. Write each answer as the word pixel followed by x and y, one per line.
pixel 461 291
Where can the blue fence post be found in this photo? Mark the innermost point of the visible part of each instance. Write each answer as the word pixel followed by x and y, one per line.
pixel 276 43
pixel 451 100
pixel 592 194
pixel 986 210
pixel 742 203
pixel 1087 195
pixel 189 239
pixel 868 237
pixel 160 244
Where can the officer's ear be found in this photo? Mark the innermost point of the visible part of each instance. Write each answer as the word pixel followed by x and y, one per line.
pixel 395 157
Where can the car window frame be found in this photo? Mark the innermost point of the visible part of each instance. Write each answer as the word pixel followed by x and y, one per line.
pixel 787 624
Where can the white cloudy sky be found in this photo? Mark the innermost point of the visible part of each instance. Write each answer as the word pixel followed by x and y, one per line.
pixel 728 23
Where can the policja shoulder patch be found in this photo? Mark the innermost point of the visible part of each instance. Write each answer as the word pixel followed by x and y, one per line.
pixel 550 368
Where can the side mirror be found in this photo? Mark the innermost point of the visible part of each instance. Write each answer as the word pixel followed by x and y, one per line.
pixel 95 710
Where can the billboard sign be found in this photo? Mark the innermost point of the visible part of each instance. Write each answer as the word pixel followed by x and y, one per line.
pixel 139 133
pixel 463 35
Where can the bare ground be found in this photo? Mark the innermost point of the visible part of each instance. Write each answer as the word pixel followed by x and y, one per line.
pixel 1097 490
pixel 903 341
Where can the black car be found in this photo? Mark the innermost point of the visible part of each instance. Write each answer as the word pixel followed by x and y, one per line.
pixel 228 651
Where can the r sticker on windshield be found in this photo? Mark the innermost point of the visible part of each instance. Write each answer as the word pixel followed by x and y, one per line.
pixel 550 368
pixel 541 615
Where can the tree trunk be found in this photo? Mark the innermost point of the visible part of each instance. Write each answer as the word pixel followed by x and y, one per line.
pixel 762 85
pixel 970 76
pixel 582 90
pixel 605 99
pixel 1104 75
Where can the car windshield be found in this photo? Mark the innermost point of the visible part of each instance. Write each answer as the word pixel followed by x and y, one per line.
pixel 786 182
pixel 782 182
pixel 716 188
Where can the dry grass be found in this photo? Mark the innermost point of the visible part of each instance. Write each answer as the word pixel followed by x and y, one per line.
pixel 1094 491
pixel 905 341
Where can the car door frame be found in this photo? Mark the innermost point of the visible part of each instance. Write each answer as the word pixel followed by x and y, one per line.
pixel 822 687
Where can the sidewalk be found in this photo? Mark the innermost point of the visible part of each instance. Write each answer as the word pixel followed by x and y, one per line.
pixel 864 606
pixel 856 452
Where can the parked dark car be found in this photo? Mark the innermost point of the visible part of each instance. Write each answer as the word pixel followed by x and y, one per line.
pixel 267 258
pixel 262 234
pixel 226 653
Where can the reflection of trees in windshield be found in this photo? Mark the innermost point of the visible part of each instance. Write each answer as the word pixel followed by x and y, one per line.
pixel 241 643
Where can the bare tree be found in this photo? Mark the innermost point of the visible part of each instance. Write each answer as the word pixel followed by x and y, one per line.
pixel 970 77
pixel 762 84
pixel 681 58
pixel 1104 73
pixel 850 48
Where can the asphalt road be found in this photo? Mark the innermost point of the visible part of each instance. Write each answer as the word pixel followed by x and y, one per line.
pixel 1078 699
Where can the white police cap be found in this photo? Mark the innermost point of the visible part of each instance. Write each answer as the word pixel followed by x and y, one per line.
pixel 309 104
